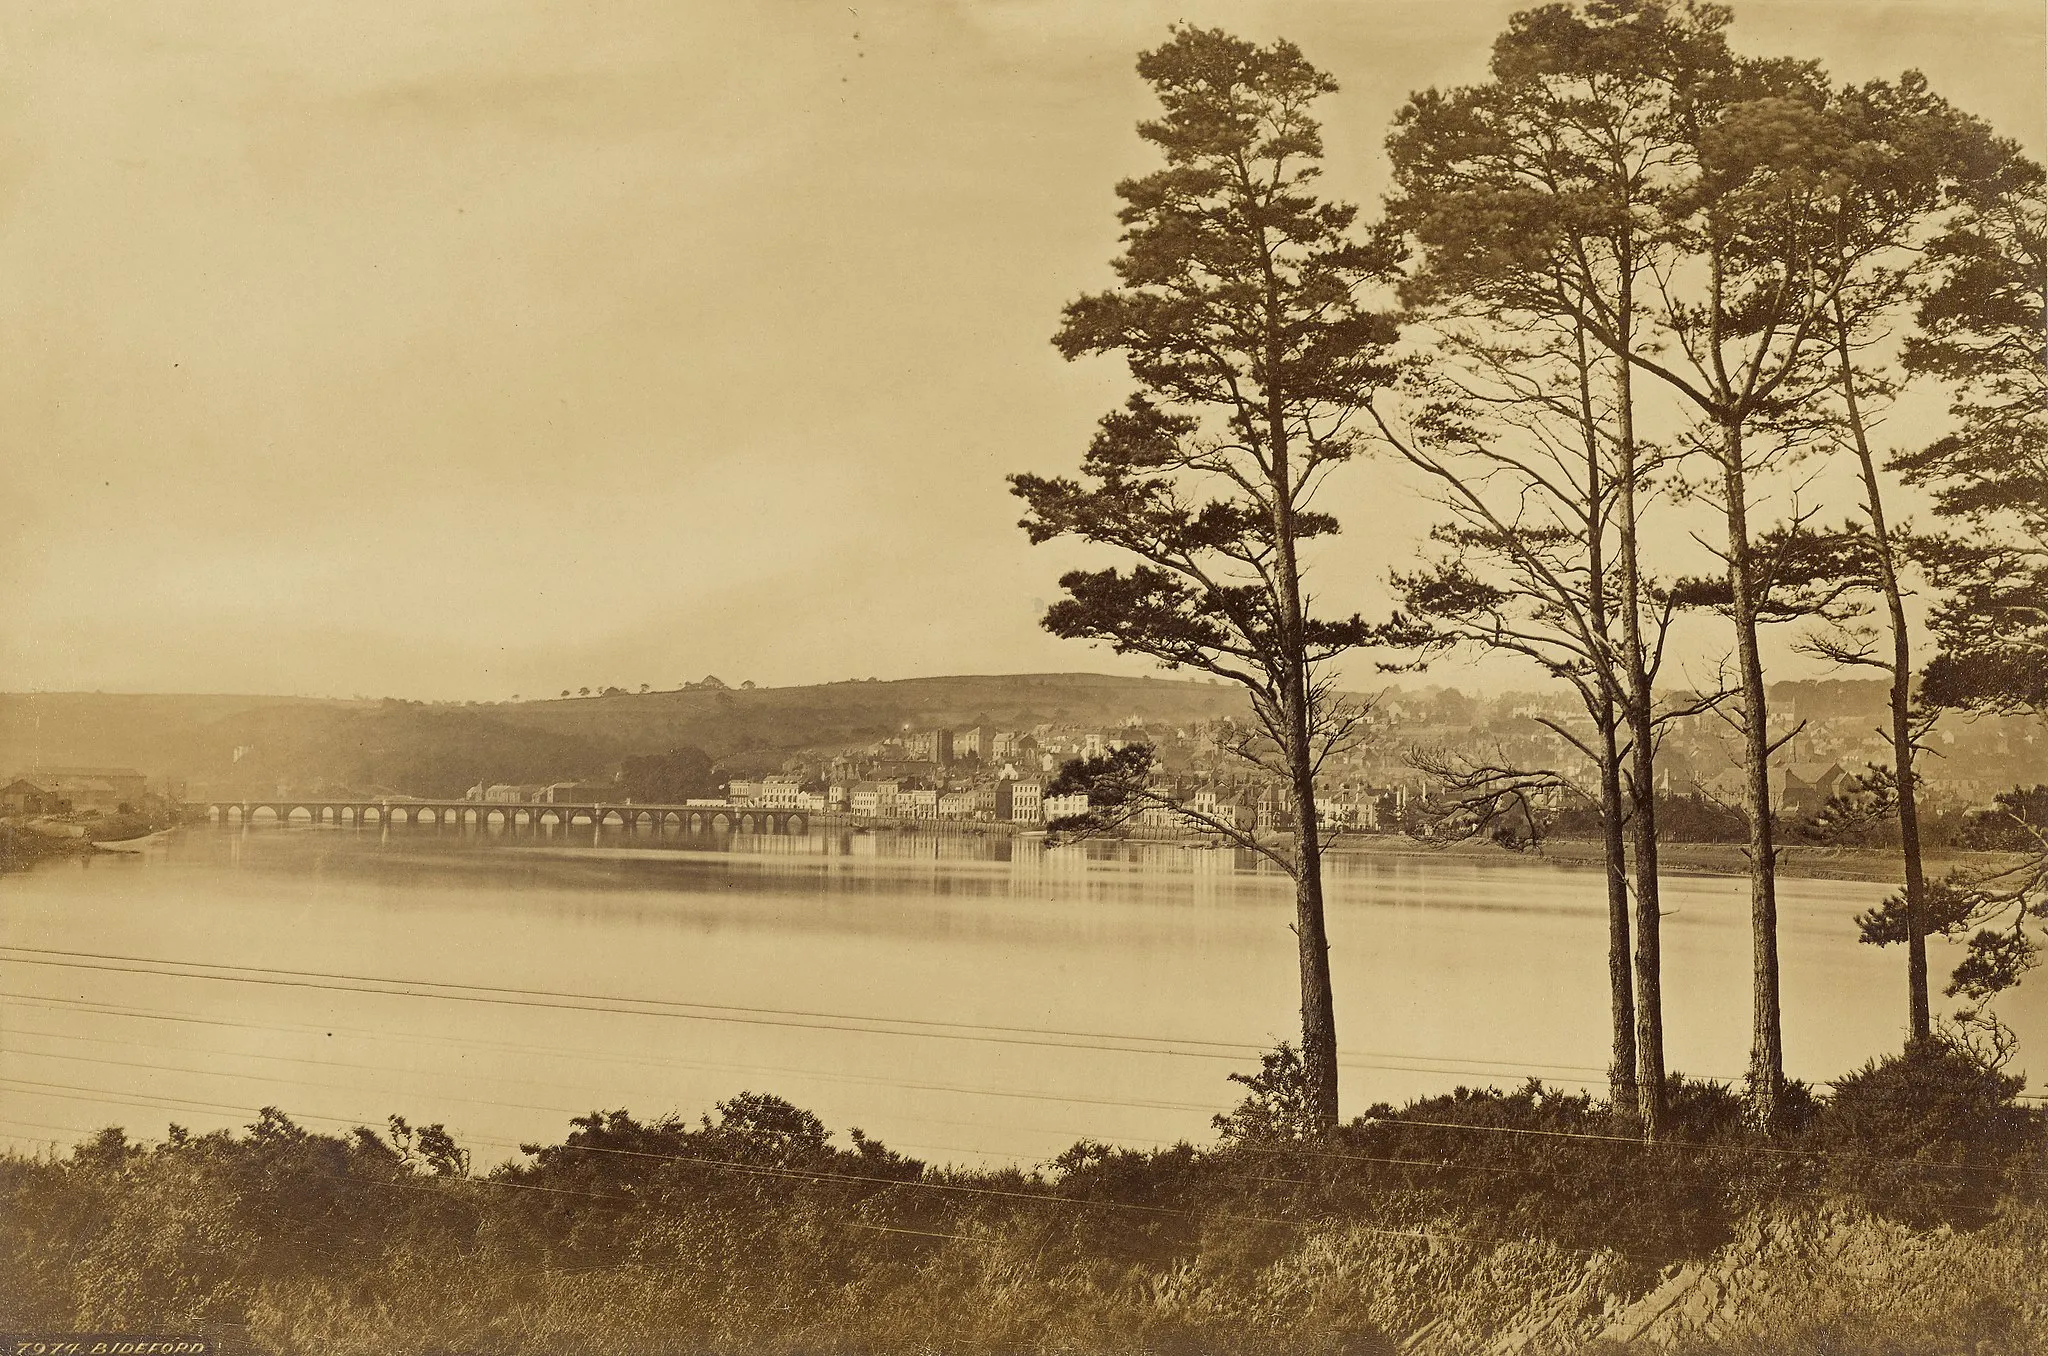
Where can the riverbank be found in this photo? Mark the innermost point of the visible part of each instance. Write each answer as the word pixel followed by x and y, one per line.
pixel 22 847
pixel 24 844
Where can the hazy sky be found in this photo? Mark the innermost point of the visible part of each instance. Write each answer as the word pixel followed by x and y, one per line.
pixel 457 348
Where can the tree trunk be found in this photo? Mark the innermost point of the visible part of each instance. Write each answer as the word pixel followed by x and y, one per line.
pixel 1767 1040
pixel 1621 1067
pixel 1640 710
pixel 1318 1007
pixel 1621 1001
pixel 1918 1022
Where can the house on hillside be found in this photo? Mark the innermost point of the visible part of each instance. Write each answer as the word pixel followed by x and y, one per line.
pixel 1804 788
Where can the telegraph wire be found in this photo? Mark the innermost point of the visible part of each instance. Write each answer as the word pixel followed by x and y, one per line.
pixel 113 1097
pixel 452 1097
pixel 566 1111
pixel 1761 1149
pixel 652 1007
pixel 440 1042
pixel 548 998
pixel 602 1056
pixel 1767 1149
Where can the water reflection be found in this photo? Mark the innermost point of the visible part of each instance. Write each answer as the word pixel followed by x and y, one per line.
pixel 914 985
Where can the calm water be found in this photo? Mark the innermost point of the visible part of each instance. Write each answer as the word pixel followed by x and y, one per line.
pixel 966 999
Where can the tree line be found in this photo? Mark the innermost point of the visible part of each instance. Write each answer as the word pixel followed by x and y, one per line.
pixel 1631 310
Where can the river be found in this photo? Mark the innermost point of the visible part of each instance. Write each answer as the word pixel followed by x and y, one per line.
pixel 965 999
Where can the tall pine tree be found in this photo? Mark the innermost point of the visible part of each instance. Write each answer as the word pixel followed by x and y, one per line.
pixel 1238 310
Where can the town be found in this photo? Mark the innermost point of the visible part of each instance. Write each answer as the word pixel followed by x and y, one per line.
pixel 1002 778
pixel 980 773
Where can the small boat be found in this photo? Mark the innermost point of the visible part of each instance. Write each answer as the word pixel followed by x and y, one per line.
pixel 142 844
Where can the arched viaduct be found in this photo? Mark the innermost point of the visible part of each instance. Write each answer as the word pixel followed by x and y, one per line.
pixel 509 818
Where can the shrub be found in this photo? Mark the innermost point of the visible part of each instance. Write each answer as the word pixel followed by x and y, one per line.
pixel 1926 1136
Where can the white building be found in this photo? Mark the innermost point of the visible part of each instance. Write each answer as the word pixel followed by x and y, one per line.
pixel 1063 807
pixel 1020 802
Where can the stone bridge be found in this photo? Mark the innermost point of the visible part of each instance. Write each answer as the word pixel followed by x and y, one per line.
pixel 506 817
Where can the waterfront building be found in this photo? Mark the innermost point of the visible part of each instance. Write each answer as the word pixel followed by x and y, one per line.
pixel 779 793
pixel 1020 802
pixel 577 793
pixel 874 798
pixel 22 797
pixel 92 788
pixel 1064 806
pixel 1160 817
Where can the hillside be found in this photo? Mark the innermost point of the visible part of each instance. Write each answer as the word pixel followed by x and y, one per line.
pixel 235 744
pixel 224 742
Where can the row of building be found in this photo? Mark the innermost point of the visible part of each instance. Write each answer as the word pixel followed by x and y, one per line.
pixel 74 790
pixel 1025 800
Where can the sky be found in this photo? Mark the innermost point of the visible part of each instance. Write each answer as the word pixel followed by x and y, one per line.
pixel 453 349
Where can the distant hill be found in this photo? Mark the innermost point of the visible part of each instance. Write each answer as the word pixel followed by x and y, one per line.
pixel 230 743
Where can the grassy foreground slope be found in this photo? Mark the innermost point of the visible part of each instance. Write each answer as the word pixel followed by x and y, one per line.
pixel 1902 1214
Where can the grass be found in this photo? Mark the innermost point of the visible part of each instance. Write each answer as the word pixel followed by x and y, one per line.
pixel 754 1230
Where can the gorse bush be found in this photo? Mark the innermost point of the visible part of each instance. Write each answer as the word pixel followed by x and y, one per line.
pixel 1930 1136
pixel 752 1230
